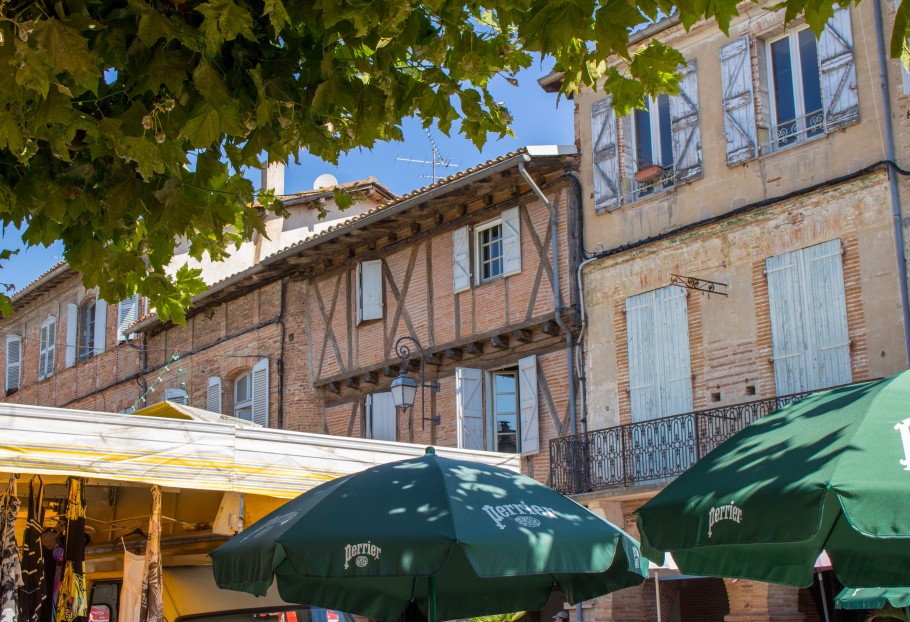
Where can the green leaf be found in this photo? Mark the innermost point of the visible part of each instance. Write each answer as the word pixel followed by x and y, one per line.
pixel 278 15
pixel 68 51
pixel 203 127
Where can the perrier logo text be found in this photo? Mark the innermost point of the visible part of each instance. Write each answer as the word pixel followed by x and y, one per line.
pixel 724 512
pixel 360 553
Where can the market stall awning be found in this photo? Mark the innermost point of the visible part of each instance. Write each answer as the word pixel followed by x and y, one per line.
pixel 192 454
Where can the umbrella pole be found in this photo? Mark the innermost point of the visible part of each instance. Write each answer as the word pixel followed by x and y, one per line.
pixel 821 585
pixel 657 595
pixel 431 608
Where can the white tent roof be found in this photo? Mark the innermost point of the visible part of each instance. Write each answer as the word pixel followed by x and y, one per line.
pixel 191 453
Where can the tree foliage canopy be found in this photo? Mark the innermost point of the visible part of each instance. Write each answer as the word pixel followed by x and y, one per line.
pixel 126 125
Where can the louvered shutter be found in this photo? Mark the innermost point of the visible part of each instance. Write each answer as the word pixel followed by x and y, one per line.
pixel 672 330
pixel 382 422
pixel 46 348
pixel 42 352
pixel 213 395
pixel 686 128
pixel 177 396
pixel 369 290
pixel 461 259
pixel 837 69
pixel 511 242
pixel 606 156
pixel 72 329
pixel 100 325
pixel 469 407
pixel 127 313
pixel 739 101
pixel 260 381
pixel 527 394
pixel 13 362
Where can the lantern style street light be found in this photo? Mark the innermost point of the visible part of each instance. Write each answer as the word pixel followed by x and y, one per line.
pixel 404 387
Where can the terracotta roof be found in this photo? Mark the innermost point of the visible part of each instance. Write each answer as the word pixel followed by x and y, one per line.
pixel 42 283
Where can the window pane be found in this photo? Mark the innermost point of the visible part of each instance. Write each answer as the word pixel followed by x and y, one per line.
pixel 505 383
pixel 642 121
pixel 666 138
pixel 244 413
pixel 812 90
pixel 784 100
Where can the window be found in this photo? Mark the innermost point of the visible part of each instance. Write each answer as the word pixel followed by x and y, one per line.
pixel 497 250
pixel 488 250
pixel 47 348
pixel 86 328
pixel 650 149
pixel 497 410
pixel 177 395
pixel 243 396
pixel 382 417
pixel 369 290
pixel 795 88
pixel 810 342
pixel 811 88
pixel 13 362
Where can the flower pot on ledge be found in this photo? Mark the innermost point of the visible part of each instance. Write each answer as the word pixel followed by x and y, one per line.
pixel 649 173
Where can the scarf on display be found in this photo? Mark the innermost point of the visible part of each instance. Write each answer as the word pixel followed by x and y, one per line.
pixel 71 600
pixel 10 572
pixel 151 607
pixel 33 593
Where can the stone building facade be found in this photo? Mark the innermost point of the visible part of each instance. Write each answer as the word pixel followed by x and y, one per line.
pixel 759 258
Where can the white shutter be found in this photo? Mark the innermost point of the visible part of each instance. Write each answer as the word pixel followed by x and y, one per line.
pixel 42 352
pixel 13 362
pixel 369 290
pixel 46 348
pixel 469 407
pixel 100 325
pixel 905 75
pixel 739 101
pixel 72 319
pixel 462 259
pixel 607 193
pixel 177 396
pixel 127 313
pixel 837 70
pixel 260 380
pixel 527 393
pixel 644 381
pixel 382 421
pixel 809 338
pixel 686 128
pixel 674 363
pixel 511 242
pixel 213 395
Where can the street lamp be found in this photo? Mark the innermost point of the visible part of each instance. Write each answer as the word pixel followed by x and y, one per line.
pixel 404 388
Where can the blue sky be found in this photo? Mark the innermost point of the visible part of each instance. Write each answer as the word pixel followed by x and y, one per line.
pixel 537 121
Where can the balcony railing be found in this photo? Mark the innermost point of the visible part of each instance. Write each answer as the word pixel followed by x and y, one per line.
pixel 649 452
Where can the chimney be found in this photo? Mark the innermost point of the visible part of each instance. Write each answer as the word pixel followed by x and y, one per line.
pixel 273 177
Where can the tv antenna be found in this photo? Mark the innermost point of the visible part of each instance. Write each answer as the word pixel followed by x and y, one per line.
pixel 437 161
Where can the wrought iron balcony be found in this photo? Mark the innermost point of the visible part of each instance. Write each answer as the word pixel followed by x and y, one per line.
pixel 649 452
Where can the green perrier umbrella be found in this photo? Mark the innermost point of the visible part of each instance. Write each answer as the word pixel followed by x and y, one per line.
pixel 872 597
pixel 831 472
pixel 457 538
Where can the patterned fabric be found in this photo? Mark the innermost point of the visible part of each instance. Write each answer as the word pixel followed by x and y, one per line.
pixel 10 572
pixel 72 602
pixel 151 608
pixel 33 593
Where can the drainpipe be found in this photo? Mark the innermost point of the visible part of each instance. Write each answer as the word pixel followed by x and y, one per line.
pixel 581 336
pixel 892 177
pixel 557 296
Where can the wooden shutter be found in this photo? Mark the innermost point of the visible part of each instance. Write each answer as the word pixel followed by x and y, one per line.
pixel 529 425
pixel 462 259
pixel 607 194
pixel 127 313
pixel 644 379
pixel 72 329
pixel 905 75
pixel 469 407
pixel 739 101
pixel 13 362
pixel 837 70
pixel 177 396
pixel 46 348
pixel 42 352
pixel 686 128
pixel 809 338
pixel 100 325
pixel 369 290
pixel 213 395
pixel 382 417
pixel 260 382
pixel 511 242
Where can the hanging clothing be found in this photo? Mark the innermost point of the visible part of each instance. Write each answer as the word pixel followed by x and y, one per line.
pixel 33 593
pixel 72 601
pixel 131 588
pixel 152 602
pixel 10 571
